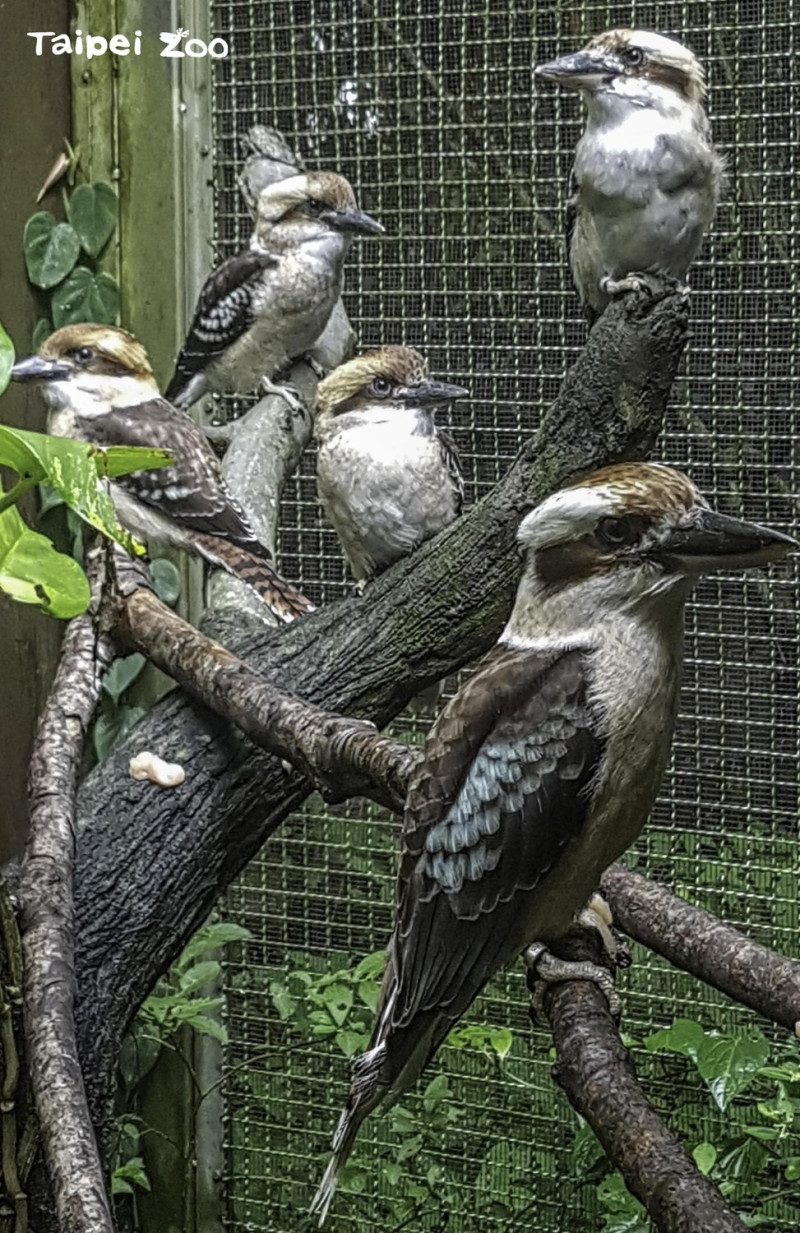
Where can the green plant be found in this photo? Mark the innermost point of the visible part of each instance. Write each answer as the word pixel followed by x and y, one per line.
pixel 755 1152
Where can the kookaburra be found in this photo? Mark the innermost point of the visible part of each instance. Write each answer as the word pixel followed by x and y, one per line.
pixel 270 303
pixel 388 478
pixel 99 388
pixel 543 768
pixel 646 177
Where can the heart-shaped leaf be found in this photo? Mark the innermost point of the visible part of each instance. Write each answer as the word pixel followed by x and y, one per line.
pixel 166 580
pixel 51 249
pixel 32 572
pixel 6 358
pixel 86 297
pixel 122 673
pixel 92 211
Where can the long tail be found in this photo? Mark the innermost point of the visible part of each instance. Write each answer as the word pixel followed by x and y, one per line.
pixel 366 1092
pixel 281 597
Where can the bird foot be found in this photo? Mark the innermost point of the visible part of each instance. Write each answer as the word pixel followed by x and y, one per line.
pixel 619 286
pixel 545 969
pixel 288 393
pixel 319 370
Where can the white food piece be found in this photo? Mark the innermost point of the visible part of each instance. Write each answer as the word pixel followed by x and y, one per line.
pixel 148 765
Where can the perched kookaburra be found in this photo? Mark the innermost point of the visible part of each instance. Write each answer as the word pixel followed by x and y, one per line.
pixel 543 768
pixel 269 304
pixel 99 388
pixel 646 177
pixel 387 477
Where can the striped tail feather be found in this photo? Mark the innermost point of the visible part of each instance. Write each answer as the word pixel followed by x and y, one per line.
pixel 281 597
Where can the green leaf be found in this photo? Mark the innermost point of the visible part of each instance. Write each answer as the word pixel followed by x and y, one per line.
pixel 282 1000
pixel 685 1037
pixel 86 297
pixel 705 1157
pixel 728 1064
pixel 110 729
pixel 587 1150
pixel 93 209
pixel 368 994
pixel 206 1026
pixel 42 330
pixel 792 1171
pixel 32 572
pixel 6 359
pixel 501 1041
pixel 338 1000
pixel 72 469
pixel 131 1173
pixel 371 966
pixel 51 250
pixel 166 580
pixel 437 1090
pixel 122 673
pixel 212 937
pixel 198 975
pixel 351 1042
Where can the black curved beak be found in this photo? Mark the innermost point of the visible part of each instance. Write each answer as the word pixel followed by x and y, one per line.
pixel 717 541
pixel 353 220
pixel 432 393
pixel 583 70
pixel 34 368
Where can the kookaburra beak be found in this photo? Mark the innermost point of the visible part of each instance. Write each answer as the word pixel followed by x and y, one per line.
pixel 716 541
pixel 34 368
pixel 433 392
pixel 582 70
pixel 353 220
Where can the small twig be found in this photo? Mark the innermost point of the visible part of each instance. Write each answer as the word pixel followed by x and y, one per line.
pixel 598 1076
pixel 342 757
pixel 46 897
pixel 697 942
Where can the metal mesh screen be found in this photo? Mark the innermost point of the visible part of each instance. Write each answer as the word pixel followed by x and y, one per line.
pixel 430 111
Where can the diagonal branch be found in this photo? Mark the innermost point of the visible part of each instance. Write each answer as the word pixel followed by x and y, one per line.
pixel 46 896
pixel 595 1070
pixel 697 942
pixel 342 757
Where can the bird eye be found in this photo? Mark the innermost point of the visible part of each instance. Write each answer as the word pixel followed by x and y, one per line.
pixel 84 354
pixel 381 387
pixel 314 207
pixel 633 57
pixel 616 533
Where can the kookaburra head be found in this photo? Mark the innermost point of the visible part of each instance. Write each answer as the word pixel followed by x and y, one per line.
pixel 630 537
pixel 84 370
pixel 308 208
pixel 380 383
pixel 630 68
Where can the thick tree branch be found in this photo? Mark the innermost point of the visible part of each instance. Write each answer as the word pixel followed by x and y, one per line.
pixel 142 889
pixel 704 946
pixel 341 757
pixel 45 893
pixel 598 1076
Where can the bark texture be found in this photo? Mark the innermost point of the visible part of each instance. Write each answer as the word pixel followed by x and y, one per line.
pixel 151 863
pixel 697 942
pixel 45 893
pixel 341 757
pixel 597 1074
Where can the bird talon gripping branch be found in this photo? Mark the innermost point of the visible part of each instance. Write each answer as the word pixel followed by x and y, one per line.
pixel 545 969
pixel 544 766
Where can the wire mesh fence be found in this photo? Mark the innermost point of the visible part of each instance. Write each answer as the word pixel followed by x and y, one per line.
pixel 431 112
